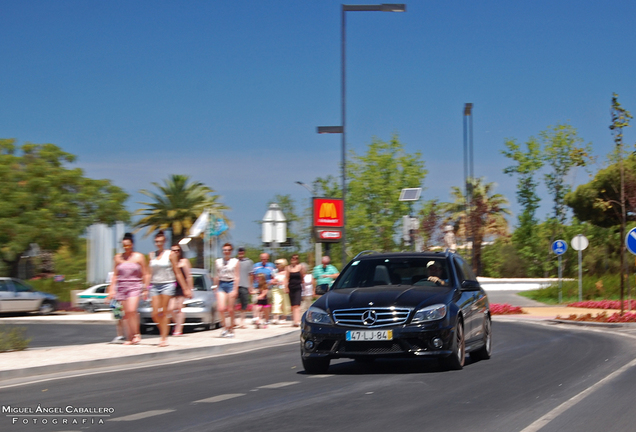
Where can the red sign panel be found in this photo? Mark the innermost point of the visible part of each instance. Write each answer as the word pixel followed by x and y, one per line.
pixel 328 212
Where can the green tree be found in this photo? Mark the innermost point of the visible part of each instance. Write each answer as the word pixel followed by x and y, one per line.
pixel 430 217
pixel 562 151
pixel 48 203
pixel 527 162
pixel 375 180
pixel 487 216
pixel 177 206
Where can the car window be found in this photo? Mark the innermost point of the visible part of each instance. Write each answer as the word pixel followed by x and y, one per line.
pixel 198 282
pixel 459 269
pixel 20 287
pixel 101 289
pixel 393 271
pixel 4 286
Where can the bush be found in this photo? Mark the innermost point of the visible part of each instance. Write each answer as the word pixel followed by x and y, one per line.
pixel 60 289
pixel 505 309
pixel 13 339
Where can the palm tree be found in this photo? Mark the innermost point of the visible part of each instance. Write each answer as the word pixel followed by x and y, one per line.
pixel 177 206
pixel 485 215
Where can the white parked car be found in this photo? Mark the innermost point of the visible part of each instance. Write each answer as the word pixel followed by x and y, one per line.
pixel 17 296
pixel 94 298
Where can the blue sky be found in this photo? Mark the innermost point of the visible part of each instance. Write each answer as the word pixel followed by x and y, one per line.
pixel 231 93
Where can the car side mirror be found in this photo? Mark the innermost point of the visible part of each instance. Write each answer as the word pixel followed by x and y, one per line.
pixel 470 285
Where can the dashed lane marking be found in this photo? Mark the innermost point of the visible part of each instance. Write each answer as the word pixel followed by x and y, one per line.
pixel 279 385
pixel 142 415
pixel 547 418
pixel 220 398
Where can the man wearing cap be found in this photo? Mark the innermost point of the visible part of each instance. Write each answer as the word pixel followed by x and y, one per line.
pixel 246 280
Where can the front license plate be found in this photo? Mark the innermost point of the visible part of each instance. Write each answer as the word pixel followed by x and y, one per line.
pixel 368 335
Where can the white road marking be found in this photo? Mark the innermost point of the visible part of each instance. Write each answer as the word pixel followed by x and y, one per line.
pixel 279 385
pixel 141 415
pixel 547 418
pixel 220 398
pixel 320 376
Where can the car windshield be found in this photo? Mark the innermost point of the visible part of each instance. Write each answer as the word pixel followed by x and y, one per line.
pixel 198 282
pixel 414 271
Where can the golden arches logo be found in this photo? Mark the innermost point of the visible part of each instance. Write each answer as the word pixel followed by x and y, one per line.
pixel 328 210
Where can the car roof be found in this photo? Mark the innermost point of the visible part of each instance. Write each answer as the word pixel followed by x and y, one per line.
pixel 428 254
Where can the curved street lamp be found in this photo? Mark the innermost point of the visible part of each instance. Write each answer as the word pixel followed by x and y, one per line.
pixel 385 7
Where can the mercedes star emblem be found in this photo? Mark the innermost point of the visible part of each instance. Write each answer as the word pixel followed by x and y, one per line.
pixel 369 317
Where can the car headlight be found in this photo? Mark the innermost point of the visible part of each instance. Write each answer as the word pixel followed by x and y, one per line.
pixel 318 316
pixel 194 304
pixel 430 313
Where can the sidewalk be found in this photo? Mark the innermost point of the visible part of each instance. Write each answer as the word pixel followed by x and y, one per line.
pixel 75 358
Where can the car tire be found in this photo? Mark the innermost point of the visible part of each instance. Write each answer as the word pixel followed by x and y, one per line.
pixel 316 365
pixel 456 360
pixel 485 351
pixel 89 308
pixel 46 307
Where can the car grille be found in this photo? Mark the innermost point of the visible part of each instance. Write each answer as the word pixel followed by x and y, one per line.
pixel 369 348
pixel 371 317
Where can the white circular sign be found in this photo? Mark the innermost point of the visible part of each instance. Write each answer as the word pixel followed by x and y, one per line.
pixel 580 242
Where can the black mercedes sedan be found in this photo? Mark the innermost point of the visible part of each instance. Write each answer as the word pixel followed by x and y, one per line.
pixel 399 305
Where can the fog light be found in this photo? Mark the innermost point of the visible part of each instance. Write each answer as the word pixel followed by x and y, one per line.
pixel 437 343
pixel 309 345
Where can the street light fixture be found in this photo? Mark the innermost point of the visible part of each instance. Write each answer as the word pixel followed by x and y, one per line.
pixel 385 7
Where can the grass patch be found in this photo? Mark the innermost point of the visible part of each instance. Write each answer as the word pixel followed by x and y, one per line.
pixel 13 338
pixel 606 287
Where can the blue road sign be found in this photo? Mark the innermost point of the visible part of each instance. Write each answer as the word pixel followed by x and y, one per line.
pixel 559 247
pixel 219 226
pixel 630 241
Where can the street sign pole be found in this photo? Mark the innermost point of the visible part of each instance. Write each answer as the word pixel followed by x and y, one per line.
pixel 559 247
pixel 580 243
pixel 580 277
pixel 560 282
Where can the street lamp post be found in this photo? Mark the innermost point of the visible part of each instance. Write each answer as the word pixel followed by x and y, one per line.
pixel 341 129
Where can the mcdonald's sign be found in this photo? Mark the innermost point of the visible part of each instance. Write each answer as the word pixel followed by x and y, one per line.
pixel 328 212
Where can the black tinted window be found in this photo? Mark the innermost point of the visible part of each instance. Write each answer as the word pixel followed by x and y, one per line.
pixel 393 271
pixel 199 283
pixel 4 286
pixel 20 287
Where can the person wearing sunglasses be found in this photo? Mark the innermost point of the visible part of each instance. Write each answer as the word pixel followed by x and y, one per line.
pixel 226 279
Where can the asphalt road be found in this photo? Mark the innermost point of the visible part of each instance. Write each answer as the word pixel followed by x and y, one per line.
pixel 535 370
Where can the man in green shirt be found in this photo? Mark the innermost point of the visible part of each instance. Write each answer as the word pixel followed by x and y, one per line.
pixel 324 275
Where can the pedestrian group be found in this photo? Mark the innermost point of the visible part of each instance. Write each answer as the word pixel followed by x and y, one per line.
pixel 273 292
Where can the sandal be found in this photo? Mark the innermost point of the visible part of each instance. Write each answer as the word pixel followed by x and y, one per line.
pixel 163 343
pixel 177 333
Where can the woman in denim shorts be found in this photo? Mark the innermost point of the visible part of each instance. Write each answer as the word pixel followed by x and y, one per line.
pixel 226 278
pixel 164 269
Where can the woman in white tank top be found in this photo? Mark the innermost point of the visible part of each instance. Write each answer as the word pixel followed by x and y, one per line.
pixel 164 270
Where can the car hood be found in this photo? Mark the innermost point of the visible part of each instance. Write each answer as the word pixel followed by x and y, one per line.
pixel 384 296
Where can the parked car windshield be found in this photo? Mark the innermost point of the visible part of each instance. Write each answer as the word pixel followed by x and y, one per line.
pixel 198 282
pixel 414 271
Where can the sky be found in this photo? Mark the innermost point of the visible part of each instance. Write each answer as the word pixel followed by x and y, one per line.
pixel 231 93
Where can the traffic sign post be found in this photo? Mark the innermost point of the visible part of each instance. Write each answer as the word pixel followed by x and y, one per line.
pixel 559 247
pixel 580 243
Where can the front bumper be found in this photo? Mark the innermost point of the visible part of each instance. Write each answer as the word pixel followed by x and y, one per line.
pixel 408 341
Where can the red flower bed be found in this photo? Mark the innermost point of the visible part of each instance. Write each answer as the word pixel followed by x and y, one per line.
pixel 505 309
pixel 602 317
pixel 604 304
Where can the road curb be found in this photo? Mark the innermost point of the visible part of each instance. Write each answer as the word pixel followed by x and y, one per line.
pixel 137 359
